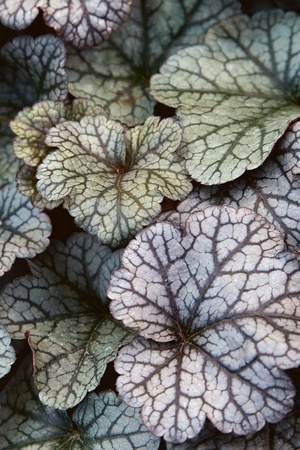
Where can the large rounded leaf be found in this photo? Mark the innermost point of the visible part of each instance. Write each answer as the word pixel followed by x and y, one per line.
pixel 236 95
pixel 7 353
pixel 218 312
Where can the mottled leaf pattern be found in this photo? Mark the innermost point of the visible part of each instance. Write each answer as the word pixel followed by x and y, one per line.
pixel 272 190
pixel 236 95
pixel 62 309
pixel 24 229
pixel 113 180
pixel 112 424
pixel 7 353
pixel 117 73
pixel 217 308
pixel 83 22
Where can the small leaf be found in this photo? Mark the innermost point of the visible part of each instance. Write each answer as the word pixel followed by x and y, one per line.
pixel 7 353
pixel 113 180
pixel 62 309
pixel 272 190
pixel 217 309
pixel 81 22
pixel 236 95
pixel 112 424
pixel 24 229
pixel 117 73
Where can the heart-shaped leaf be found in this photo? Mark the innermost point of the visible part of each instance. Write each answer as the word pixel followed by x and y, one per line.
pixel 236 95
pixel 116 74
pixel 217 308
pixel 113 181
pixel 84 22
pixel 62 310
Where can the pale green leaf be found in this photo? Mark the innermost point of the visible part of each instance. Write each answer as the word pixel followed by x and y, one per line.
pixel 62 309
pixel 116 74
pixel 24 229
pixel 217 307
pixel 112 180
pixel 83 22
pixel 236 95
pixel 7 353
pixel 272 190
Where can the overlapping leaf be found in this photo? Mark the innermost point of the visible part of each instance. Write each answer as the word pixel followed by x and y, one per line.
pixel 31 69
pixel 61 308
pixel 236 94
pixel 83 23
pixel 100 421
pixel 7 353
pixel 217 308
pixel 24 229
pixel 31 126
pixel 272 190
pixel 117 73
pixel 113 180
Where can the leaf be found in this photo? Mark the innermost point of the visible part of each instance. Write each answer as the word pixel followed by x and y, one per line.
pixel 235 95
pixel 100 421
pixel 7 353
pixel 24 229
pixel 31 126
pixel 272 190
pixel 62 310
pixel 83 23
pixel 25 423
pixel 33 69
pixel 217 309
pixel 117 73
pixel 112 424
pixel 113 180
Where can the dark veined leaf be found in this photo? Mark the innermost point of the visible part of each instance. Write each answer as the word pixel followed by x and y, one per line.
pixel 272 190
pixel 24 229
pixel 113 180
pixel 235 95
pixel 98 422
pixel 116 74
pixel 62 310
pixel 217 308
pixel 83 22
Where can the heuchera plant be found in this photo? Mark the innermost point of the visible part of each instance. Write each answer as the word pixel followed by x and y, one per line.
pixel 150 224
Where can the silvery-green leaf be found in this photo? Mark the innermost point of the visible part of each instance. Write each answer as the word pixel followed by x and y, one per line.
pixel 62 310
pixel 113 180
pixel 25 423
pixel 111 424
pixel 83 22
pixel 24 229
pixel 117 73
pixel 235 95
pixel 217 308
pixel 32 69
pixel 272 190
pixel 7 353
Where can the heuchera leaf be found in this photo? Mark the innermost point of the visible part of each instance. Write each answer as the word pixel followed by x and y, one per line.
pixel 83 22
pixel 31 126
pixel 24 229
pixel 62 309
pixel 32 69
pixel 98 422
pixel 112 180
pixel 7 353
pixel 117 73
pixel 236 95
pixel 217 307
pixel 272 190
